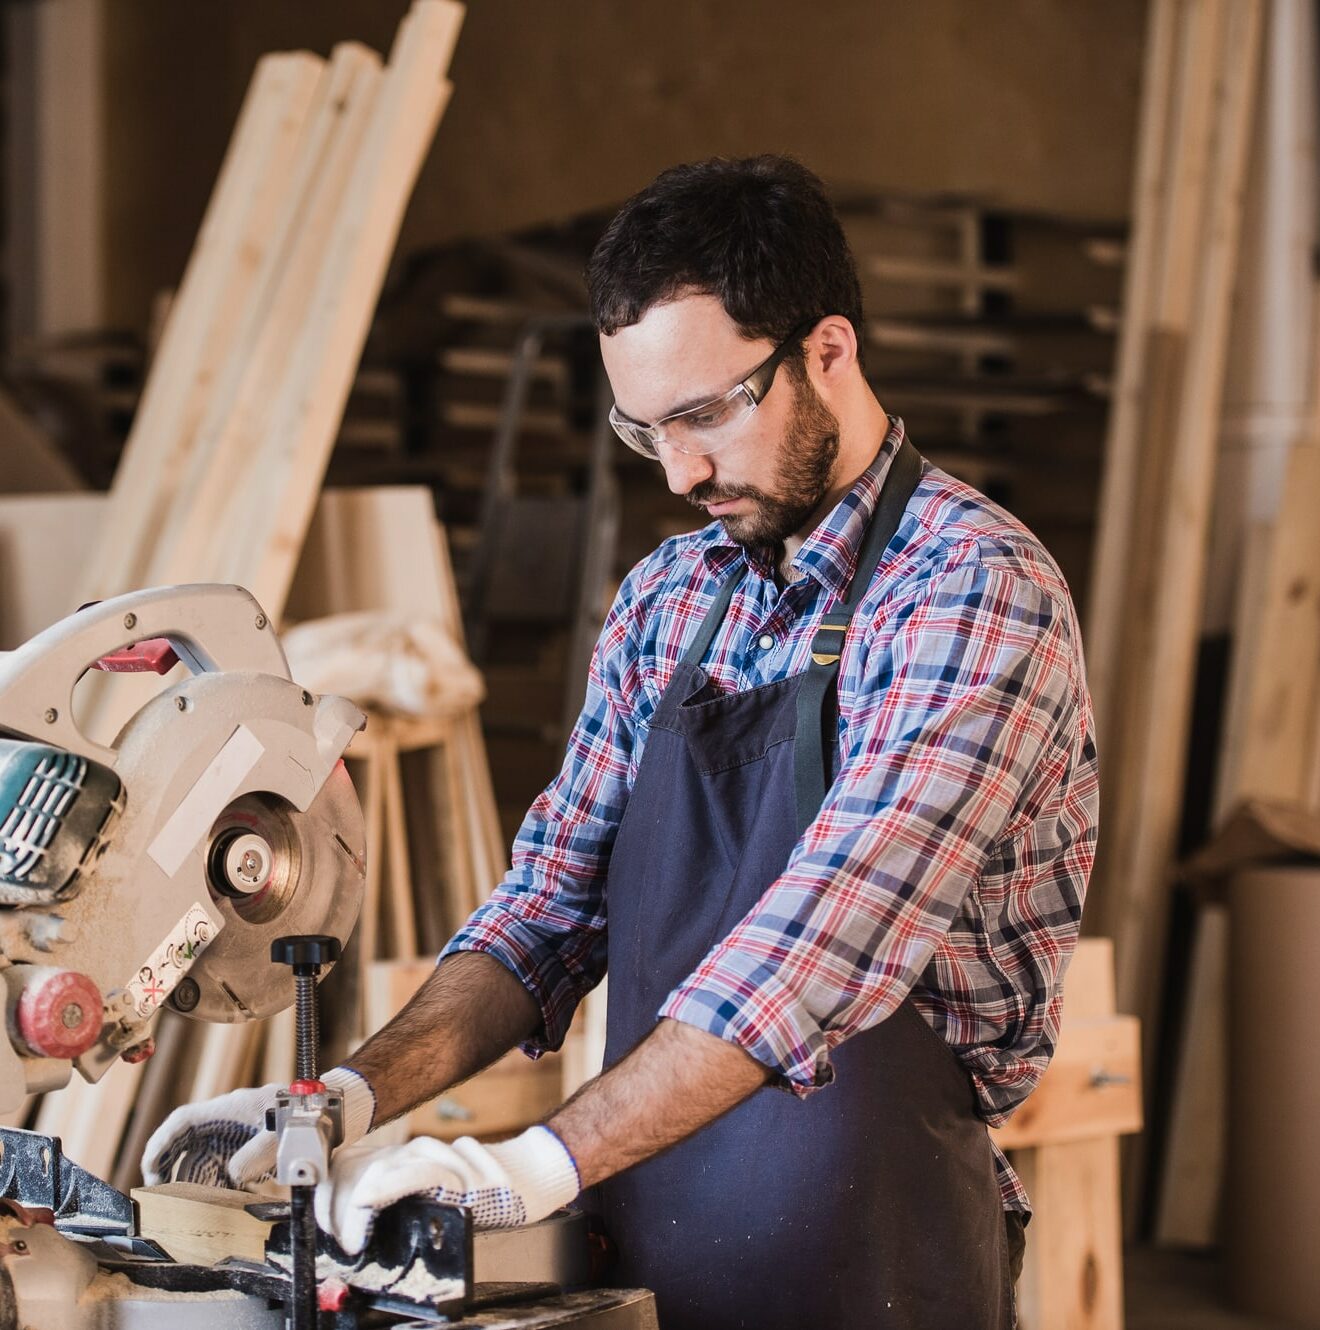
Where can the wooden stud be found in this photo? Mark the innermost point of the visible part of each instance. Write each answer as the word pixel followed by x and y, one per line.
pixel 306 414
pixel 201 1225
pixel 231 435
pixel 1072 1277
pixel 205 317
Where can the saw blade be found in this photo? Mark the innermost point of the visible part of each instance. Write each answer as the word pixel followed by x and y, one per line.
pixel 316 876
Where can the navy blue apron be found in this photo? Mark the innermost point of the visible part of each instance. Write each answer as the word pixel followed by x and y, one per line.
pixel 873 1203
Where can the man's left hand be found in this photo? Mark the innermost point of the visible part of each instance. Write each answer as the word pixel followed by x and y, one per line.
pixel 515 1182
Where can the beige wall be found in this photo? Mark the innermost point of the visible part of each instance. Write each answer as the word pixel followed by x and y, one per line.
pixel 568 105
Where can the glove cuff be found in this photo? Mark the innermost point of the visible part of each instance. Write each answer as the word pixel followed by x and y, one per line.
pixel 540 1169
pixel 359 1101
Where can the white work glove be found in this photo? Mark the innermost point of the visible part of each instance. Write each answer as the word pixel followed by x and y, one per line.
pixel 225 1140
pixel 514 1182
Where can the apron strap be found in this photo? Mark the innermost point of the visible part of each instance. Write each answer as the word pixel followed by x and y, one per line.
pixel 710 625
pixel 817 697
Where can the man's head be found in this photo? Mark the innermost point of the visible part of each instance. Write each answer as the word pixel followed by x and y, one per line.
pixel 699 281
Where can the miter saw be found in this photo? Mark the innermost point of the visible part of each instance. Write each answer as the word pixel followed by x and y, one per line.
pixel 217 834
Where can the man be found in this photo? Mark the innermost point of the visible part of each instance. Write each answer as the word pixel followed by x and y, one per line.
pixel 827 816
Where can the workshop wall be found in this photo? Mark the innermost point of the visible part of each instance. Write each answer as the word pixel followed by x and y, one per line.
pixel 560 108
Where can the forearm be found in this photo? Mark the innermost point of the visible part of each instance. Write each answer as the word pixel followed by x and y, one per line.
pixel 672 1084
pixel 469 1012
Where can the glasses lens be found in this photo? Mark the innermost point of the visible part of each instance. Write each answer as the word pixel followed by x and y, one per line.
pixel 706 428
pixel 637 437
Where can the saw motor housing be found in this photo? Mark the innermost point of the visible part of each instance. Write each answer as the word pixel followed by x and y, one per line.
pixel 159 868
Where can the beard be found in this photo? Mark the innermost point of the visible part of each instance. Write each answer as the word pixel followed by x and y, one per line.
pixel 807 454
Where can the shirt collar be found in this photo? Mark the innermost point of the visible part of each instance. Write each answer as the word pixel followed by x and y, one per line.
pixel 830 552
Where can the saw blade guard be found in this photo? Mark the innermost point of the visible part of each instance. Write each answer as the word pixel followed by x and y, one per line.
pixel 229 819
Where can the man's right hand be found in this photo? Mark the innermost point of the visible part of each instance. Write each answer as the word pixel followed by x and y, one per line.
pixel 224 1142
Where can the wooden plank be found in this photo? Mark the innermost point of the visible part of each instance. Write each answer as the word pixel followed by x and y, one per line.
pixel 1192 1176
pixel 1152 785
pixel 1092 1087
pixel 1072 1277
pixel 227 1059
pixel 160 1090
pixel 402 915
pixel 232 431
pixel 1088 985
pixel 205 317
pixel 279 1050
pixel 1275 753
pixel 1123 444
pixel 372 549
pixel 306 416
pixel 201 1225
pixel 373 807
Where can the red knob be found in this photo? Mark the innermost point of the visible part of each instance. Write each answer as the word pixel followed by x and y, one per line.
pixel 139 1052
pixel 59 1013
pixel 307 1087
pixel 331 1295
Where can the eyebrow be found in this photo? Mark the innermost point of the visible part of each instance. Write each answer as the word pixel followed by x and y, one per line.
pixel 687 405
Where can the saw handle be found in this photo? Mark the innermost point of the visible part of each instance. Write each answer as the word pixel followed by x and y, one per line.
pixel 154 656
pixel 208 627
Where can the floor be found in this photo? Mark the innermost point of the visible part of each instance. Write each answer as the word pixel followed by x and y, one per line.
pixel 1169 1290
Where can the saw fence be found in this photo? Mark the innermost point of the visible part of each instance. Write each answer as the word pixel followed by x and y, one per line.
pixel 222 470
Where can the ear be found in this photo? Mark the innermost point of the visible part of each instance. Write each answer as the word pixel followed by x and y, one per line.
pixel 832 348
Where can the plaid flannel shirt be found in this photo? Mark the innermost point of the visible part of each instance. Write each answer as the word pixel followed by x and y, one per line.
pixel 950 857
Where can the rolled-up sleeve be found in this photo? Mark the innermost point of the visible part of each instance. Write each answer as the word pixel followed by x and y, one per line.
pixel 546 921
pixel 961 725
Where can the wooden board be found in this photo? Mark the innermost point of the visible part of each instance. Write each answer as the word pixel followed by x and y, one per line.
pixel 201 1225
pixel 206 316
pixel 306 414
pixel 1072 1277
pixel 1276 732
pixel 231 432
pixel 1092 1087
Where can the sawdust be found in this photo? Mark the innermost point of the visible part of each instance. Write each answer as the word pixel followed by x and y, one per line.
pixel 113 1286
pixel 417 1285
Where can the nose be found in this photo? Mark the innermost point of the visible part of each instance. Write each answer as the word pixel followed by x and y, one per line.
pixel 683 471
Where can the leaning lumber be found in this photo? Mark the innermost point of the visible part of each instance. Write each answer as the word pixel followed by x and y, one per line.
pixel 205 318
pixel 311 403
pixel 1114 529
pixel 1155 516
pixel 230 434
pixel 1146 735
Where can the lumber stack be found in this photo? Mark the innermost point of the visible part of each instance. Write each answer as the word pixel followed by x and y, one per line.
pixel 1201 85
pixel 1155 502
pixel 1227 86
pixel 225 458
pixel 223 465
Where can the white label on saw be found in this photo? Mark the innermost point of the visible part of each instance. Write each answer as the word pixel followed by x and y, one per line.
pixel 157 979
pixel 210 795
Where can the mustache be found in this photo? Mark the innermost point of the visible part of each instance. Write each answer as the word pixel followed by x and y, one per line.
pixel 700 495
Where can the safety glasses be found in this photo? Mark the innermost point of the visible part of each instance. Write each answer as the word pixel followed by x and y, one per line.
pixel 711 425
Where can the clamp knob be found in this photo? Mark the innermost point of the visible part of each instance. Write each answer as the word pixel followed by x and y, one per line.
pixel 305 952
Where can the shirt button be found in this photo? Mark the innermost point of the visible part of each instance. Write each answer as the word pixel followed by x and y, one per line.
pixel 765 642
